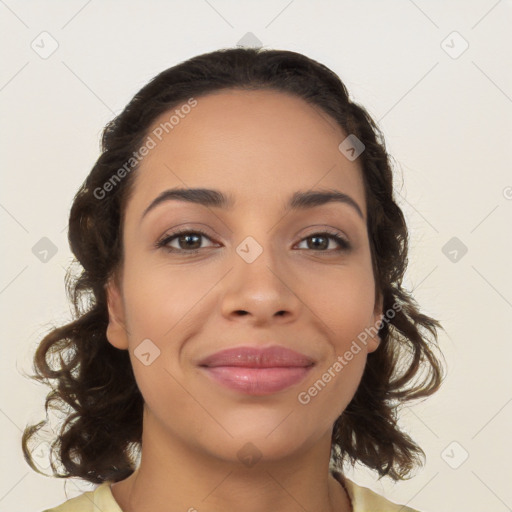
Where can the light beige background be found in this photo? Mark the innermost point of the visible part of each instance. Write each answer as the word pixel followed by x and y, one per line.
pixel 447 122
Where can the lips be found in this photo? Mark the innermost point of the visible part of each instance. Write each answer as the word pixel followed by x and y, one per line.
pixel 250 357
pixel 254 371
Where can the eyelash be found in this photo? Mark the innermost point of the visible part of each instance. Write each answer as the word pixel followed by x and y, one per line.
pixel 345 246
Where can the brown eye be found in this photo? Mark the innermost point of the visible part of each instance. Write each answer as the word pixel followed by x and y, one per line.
pixel 188 241
pixel 320 242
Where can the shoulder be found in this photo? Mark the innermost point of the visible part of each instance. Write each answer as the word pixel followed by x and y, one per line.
pixel 102 500
pixel 366 500
pixel 99 500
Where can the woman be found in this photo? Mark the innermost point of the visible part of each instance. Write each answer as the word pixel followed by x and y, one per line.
pixel 241 330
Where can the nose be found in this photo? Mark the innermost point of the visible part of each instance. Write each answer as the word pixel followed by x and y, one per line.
pixel 262 289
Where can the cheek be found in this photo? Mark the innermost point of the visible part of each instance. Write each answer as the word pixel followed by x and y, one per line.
pixel 344 300
pixel 346 309
pixel 331 389
pixel 162 309
pixel 169 400
pixel 161 317
pixel 162 298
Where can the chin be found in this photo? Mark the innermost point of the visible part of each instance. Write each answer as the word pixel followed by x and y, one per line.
pixel 249 451
pixel 268 436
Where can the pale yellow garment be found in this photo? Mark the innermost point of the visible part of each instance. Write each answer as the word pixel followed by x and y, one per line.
pixel 102 500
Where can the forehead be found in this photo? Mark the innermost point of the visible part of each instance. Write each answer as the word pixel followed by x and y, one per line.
pixel 258 146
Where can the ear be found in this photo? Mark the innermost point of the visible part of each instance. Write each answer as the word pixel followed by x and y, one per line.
pixel 116 329
pixel 374 340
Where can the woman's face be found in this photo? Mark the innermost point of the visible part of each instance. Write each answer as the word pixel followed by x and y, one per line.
pixel 264 274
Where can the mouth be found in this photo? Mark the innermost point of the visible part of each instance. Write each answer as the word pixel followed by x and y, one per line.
pixel 256 371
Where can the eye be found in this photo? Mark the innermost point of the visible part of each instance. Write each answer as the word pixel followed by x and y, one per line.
pixel 188 241
pixel 321 241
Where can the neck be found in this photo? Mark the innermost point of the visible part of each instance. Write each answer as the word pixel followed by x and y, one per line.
pixel 175 476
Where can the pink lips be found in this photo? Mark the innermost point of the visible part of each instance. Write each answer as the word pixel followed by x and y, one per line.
pixel 257 371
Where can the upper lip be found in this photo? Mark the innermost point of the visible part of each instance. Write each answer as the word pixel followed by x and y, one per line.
pixel 253 357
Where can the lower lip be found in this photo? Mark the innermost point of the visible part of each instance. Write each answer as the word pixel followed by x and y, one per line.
pixel 257 381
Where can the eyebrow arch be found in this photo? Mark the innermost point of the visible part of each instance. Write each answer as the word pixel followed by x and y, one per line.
pixel 217 199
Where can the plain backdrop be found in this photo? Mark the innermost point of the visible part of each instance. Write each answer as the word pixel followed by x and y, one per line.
pixel 435 75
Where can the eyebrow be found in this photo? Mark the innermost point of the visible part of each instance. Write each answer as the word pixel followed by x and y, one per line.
pixel 217 199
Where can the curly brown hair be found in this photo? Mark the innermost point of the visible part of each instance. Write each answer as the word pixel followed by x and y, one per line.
pixel 92 382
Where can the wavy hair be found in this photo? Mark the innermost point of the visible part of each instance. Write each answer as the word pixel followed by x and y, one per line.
pixel 92 383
